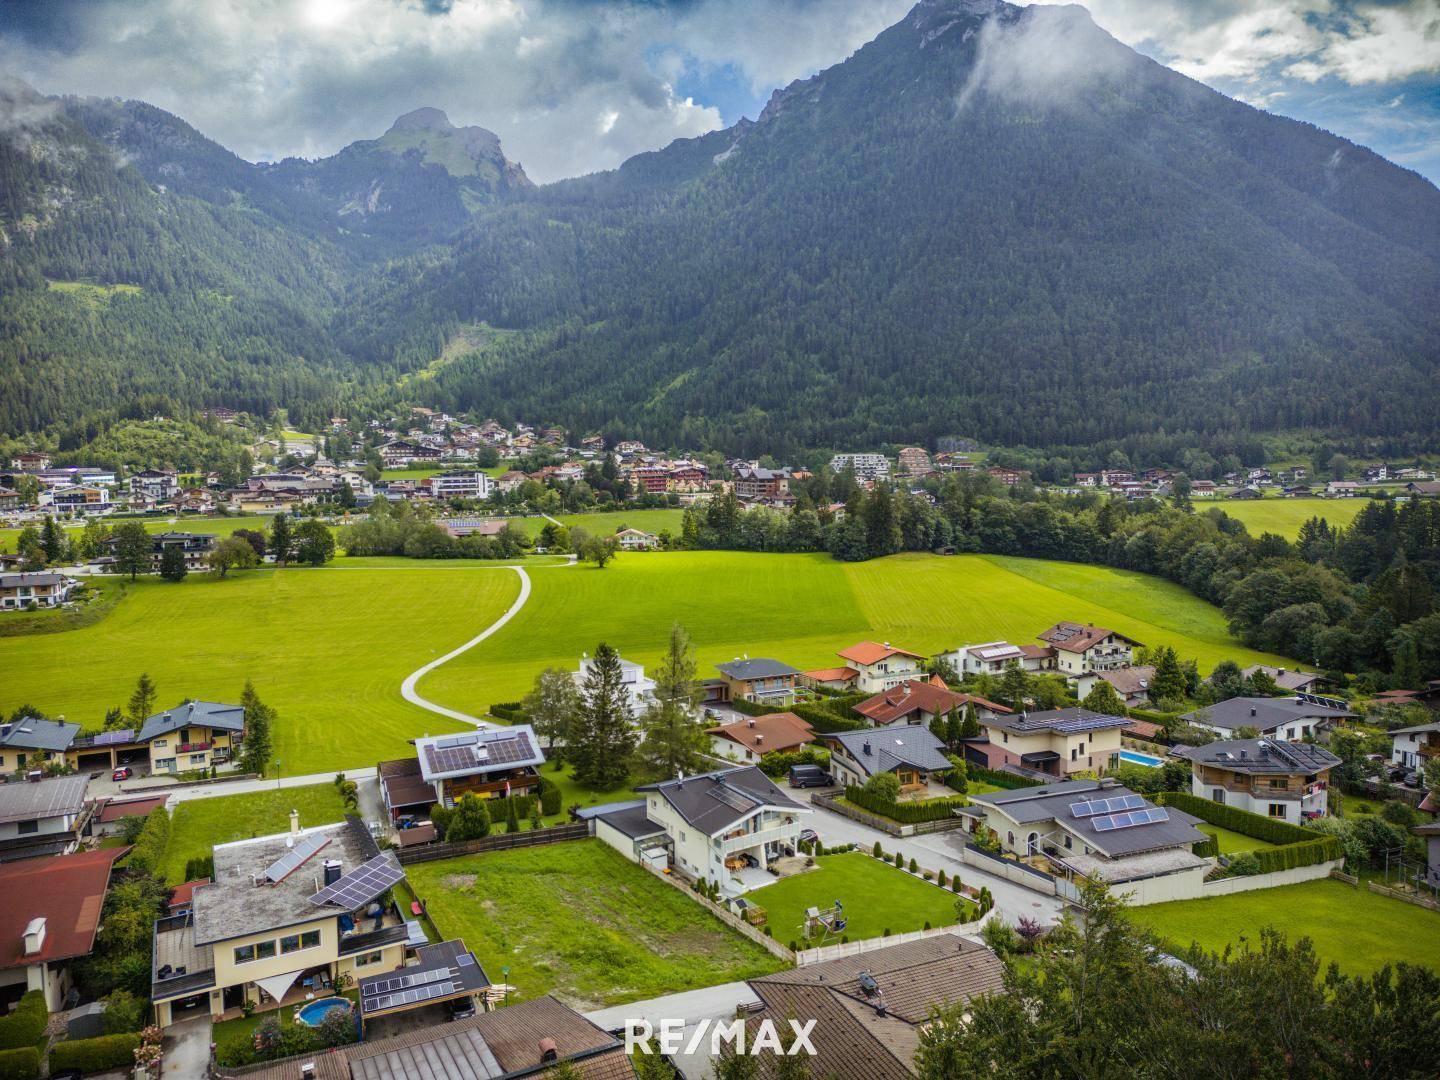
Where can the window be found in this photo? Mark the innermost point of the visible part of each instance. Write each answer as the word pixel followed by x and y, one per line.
pixel 1277 809
pixel 261 950
pixel 367 959
pixel 160 744
pixel 1278 782
pixel 1082 748
pixel 1289 733
pixel 1067 842
pixel 25 828
pixel 295 942
pixel 1073 754
pixel 197 759
pixel 1004 736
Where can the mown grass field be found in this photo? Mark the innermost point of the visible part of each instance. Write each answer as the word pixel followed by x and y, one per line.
pixel 876 898
pixel 1231 842
pixel 330 647
pixel 1357 929
pixel 578 920
pixel 327 648
pixel 801 608
pixel 218 526
pixel 199 824
pixel 610 522
pixel 1285 516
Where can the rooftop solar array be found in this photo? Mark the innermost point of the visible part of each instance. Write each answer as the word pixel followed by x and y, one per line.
pixel 363 884
pixel 295 858
pixel 1152 816
pixel 1086 723
pixel 1106 806
pixel 410 989
pixel 734 799
pixel 465 752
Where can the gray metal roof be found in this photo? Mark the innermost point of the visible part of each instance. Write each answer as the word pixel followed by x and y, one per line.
pixel 631 819
pixel 1072 721
pixel 743 670
pixel 714 801
pixel 1264 756
pixel 478 752
pixel 1263 713
pixel 31 578
pixel 27 801
pixel 207 713
pixel 885 750
pixel 34 733
pixel 1053 802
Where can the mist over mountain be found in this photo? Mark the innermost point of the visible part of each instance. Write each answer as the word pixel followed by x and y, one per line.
pixel 990 221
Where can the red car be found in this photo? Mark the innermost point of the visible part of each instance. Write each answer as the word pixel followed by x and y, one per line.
pixel 122 773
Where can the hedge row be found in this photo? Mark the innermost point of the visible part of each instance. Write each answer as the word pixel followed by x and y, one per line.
pixel 826 722
pixel 1161 718
pixel 95 1055
pixel 26 1024
pixel 999 779
pixel 512 712
pixel 22 1063
pixel 1206 849
pixel 1255 826
pixel 148 854
pixel 906 813
pixel 1291 856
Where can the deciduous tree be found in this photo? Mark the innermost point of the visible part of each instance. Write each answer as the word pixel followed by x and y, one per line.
pixel 552 704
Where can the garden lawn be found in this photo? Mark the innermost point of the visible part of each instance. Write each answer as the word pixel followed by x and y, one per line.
pixel 1359 930
pixel 608 522
pixel 800 609
pixel 578 920
pixel 232 1038
pixel 876 898
pixel 1285 516
pixel 1232 843
pixel 327 648
pixel 572 794
pixel 199 824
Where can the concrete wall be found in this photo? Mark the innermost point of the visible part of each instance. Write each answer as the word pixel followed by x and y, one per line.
pixel 1226 886
pixel 1011 871
pixel 1185 885
pixel 806 957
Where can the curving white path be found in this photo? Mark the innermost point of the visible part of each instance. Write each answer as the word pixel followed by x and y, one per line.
pixel 407 688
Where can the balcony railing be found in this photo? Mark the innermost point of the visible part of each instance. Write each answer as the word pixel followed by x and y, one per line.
pixel 743 842
pixel 193 747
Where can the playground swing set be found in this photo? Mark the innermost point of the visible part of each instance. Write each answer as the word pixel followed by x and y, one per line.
pixel 824 923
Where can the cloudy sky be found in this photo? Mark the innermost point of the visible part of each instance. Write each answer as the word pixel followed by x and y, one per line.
pixel 572 86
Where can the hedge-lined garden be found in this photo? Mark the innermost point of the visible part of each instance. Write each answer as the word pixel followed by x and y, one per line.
pixel 21 1063
pixel 1296 846
pixel 95 1055
pixel 26 1024
pixel 906 813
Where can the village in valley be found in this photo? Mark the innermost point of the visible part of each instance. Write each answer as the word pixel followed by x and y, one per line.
pixel 712 740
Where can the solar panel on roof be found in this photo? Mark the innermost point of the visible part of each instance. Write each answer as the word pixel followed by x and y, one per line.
pixel 1147 816
pixel 734 799
pixel 460 740
pixel 293 859
pixel 362 884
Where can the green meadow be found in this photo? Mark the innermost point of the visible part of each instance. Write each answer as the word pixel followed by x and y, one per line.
pixel 1285 516
pixel 612 521
pixel 330 647
pixel 327 648
pixel 801 608
pixel 219 526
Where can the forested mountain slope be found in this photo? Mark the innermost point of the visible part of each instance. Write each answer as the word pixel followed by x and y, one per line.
pixel 990 221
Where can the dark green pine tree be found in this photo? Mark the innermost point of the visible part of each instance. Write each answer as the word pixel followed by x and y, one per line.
pixel 602 736
pixel 282 539
pixel 172 563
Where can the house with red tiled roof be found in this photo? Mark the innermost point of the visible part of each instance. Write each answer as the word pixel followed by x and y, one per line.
pixel 880 666
pixel 49 918
pixel 751 739
pixel 830 678
pixel 919 701
pixel 110 814
pixel 1081 648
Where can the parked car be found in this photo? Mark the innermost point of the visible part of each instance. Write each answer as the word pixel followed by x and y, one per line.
pixel 122 773
pixel 809 836
pixel 803 776
pixel 460 1008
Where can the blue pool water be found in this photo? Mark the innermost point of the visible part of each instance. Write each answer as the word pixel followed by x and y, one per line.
pixel 312 1012
pixel 1135 758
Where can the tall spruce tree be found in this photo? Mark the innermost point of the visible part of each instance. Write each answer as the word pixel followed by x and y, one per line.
pixel 1169 681
pixel 675 738
pixel 602 736
pixel 259 718
pixel 172 563
pixel 142 700
pixel 282 539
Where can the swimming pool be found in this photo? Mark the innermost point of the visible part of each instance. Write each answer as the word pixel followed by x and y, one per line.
pixel 1134 757
pixel 312 1012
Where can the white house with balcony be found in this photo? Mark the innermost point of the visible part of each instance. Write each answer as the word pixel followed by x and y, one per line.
pixel 724 826
pixel 879 667
pixel 1288 781
pixel 632 677
pixel 1083 648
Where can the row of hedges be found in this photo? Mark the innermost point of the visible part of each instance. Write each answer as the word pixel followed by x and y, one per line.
pixel 95 1055
pixel 777 762
pixel 22 1063
pixel 26 1024
pixel 1206 849
pixel 906 813
pixel 148 854
pixel 1298 846
pixel 1000 779
pixel 512 712
pixel 1164 719
pixel 836 714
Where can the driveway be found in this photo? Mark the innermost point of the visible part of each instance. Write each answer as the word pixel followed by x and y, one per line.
pixel 187 1048
pixel 939 851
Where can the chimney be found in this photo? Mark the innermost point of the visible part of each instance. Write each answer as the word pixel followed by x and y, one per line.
pixel 35 935
pixel 759 738
pixel 1252 710
pixel 866 748
pixel 307 1070
pixel 1244 753
pixel 752 721
pixel 294 822
pixel 548 1051
pixel 332 871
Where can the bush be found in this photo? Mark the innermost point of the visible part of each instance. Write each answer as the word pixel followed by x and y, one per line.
pixel 906 813
pixel 549 798
pixel 825 720
pixel 26 1024
pixel 200 866
pixel 22 1063
pixel 1244 865
pixel 512 712
pixel 95 1055
pixel 778 762
pixel 148 854
pixel 1298 847
pixel 1208 848
pixel 124 1012
pixel 1000 779
pixel 877 850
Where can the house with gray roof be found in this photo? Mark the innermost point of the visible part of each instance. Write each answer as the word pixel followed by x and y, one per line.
pixel 34 589
pixel 192 735
pixel 911 752
pixel 1282 780
pixel 768 682
pixel 724 826
pixel 1100 830
pixel 28 743
pixel 42 817
pixel 491 764
pixel 1288 718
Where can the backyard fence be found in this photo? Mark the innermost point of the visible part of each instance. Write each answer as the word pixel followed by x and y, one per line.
pixel 499 842
pixel 821 953
pixel 730 919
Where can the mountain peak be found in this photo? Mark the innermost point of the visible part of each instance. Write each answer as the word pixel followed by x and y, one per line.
pixel 427 118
